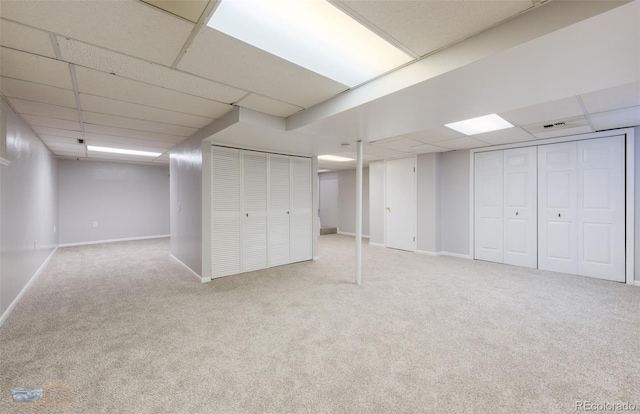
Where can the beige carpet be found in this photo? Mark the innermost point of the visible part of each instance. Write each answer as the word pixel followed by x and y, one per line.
pixel 130 331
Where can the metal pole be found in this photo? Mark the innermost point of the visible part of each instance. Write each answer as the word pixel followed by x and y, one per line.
pixel 359 213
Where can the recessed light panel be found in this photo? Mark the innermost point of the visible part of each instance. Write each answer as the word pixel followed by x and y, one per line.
pixel 123 151
pixel 335 158
pixel 480 125
pixel 313 34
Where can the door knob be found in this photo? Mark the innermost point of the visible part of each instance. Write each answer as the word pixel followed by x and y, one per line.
pixel 247 214
pixel 388 209
pixel 558 214
pixel 287 212
pixel 516 213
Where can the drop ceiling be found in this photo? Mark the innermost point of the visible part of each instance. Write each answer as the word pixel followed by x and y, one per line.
pixel 148 74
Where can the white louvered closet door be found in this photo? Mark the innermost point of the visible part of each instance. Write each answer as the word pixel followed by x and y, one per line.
pixel 254 211
pixel 279 209
pixel 225 212
pixel 301 210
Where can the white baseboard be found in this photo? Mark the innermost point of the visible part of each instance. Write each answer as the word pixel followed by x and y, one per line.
pixel 428 253
pixel 376 244
pixel 162 236
pixel 458 255
pixel 24 290
pixel 316 257
pixel 637 283
pixel 194 274
pixel 344 233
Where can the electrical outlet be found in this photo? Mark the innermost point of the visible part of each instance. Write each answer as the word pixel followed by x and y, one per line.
pixel 95 224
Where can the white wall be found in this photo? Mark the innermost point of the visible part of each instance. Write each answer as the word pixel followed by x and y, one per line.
pixel 186 202
pixel 338 200
pixel 454 202
pixel 28 209
pixel 428 202
pixel 126 200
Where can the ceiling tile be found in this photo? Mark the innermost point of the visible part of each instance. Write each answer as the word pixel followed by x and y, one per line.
pixel 584 129
pixel 435 134
pixel 54 139
pixel 57 132
pixel 398 143
pixel 34 120
pixel 131 123
pixel 41 109
pixel 624 96
pixel 25 66
pixel 553 126
pixel 140 70
pixel 425 26
pixel 190 10
pixel 221 58
pixel 505 136
pixel 116 140
pixel 114 87
pixel 620 118
pixel 268 105
pixel 549 111
pixel 123 26
pixel 17 36
pixel 425 149
pixel 30 91
pixel 112 107
pixel 379 151
pixel 461 143
pixel 130 133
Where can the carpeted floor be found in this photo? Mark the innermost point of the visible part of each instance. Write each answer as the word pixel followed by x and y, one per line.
pixel 130 331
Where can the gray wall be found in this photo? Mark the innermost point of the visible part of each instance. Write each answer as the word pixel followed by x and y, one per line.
pixel 376 202
pixel 637 203
pixel 126 200
pixel 186 202
pixel 428 203
pixel 328 182
pixel 28 208
pixel 338 196
pixel 454 202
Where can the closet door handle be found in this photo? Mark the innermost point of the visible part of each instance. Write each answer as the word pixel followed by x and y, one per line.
pixel 287 212
pixel 516 213
pixel 247 214
pixel 558 214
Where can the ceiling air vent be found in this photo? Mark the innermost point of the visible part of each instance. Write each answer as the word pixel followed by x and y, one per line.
pixel 568 126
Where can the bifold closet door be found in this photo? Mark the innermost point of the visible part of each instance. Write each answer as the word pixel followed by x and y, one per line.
pixel 279 210
pixel 520 207
pixel 254 211
pixel 489 206
pixel 601 208
pixel 301 210
pixel 225 212
pixel 558 207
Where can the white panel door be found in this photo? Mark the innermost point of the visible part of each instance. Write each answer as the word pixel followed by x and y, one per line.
pixel 279 210
pixel 401 204
pixel 601 208
pixel 489 206
pixel 301 210
pixel 254 209
pixel 225 212
pixel 521 207
pixel 557 207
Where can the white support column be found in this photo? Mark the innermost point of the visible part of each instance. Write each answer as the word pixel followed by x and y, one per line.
pixel 359 213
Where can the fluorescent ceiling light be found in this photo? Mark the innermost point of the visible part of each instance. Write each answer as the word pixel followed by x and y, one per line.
pixel 335 158
pixel 313 34
pixel 123 151
pixel 481 124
